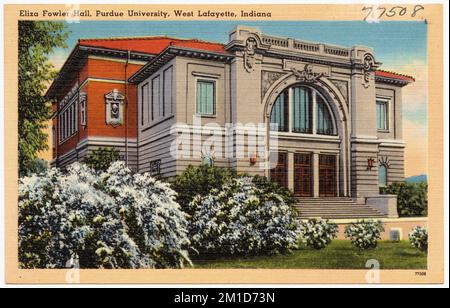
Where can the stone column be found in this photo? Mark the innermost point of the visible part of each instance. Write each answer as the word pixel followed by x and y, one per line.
pixel 364 140
pixel 290 170
pixel 316 174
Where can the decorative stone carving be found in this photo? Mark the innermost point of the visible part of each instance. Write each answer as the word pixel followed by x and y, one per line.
pixel 342 85
pixel 268 79
pixel 368 68
pixel 307 75
pixel 249 54
pixel 114 107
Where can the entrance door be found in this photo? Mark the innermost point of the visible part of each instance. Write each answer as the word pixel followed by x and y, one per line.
pixel 279 173
pixel 302 175
pixel 327 175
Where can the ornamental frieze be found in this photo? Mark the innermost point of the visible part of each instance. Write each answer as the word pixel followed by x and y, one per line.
pixel 307 74
pixel 342 86
pixel 368 68
pixel 267 80
pixel 249 54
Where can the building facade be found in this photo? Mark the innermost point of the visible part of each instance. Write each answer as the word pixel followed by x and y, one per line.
pixel 323 120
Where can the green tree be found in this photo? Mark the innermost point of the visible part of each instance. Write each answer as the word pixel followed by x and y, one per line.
pixel 37 39
pixel 101 158
pixel 412 198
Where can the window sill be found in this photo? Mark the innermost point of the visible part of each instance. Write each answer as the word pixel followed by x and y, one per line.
pixel 310 136
pixel 206 115
pixel 383 131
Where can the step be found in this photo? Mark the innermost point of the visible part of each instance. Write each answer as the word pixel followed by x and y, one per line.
pixel 324 200
pixel 334 208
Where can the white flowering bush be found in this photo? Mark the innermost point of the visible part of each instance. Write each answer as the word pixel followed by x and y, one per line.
pixel 418 238
pixel 364 234
pixel 317 233
pixel 111 220
pixel 242 219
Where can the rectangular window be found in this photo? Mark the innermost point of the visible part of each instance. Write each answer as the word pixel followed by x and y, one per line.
pixel 83 111
pixel 382 115
pixel 59 125
pixel 205 97
pixel 75 121
pixel 301 110
pixel 66 124
pixel 167 92
pixel 70 120
pixel 54 141
pixel 155 108
pixel 144 104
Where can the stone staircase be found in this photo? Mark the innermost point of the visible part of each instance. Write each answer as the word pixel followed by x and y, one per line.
pixel 335 208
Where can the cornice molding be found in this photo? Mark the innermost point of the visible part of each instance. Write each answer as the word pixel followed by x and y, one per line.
pixel 171 52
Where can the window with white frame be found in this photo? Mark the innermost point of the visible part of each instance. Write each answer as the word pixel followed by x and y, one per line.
pixel 382 114
pixel 83 109
pixel 205 97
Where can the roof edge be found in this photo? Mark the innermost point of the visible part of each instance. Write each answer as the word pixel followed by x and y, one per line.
pixel 169 53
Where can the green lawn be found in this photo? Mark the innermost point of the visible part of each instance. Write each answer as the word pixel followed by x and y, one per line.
pixel 340 254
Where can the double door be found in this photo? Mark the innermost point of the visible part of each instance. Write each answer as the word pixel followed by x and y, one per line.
pixel 304 170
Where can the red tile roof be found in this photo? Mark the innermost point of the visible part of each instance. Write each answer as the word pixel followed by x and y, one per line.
pixel 392 75
pixel 152 45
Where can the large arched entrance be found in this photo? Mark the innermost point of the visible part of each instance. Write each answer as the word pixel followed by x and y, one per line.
pixel 309 123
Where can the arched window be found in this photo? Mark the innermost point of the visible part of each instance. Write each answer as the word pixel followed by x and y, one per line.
pixel 382 175
pixel 302 99
pixel 279 115
pixel 324 121
pixel 304 109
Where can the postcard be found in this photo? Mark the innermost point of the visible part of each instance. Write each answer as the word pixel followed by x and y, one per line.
pixel 234 144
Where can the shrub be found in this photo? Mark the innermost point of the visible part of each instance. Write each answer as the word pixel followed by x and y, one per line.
pixel 268 186
pixel 113 220
pixel 199 180
pixel 242 219
pixel 364 234
pixel 102 158
pixel 412 199
pixel 418 238
pixel 317 233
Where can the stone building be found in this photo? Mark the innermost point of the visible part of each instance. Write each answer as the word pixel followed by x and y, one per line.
pixel 323 120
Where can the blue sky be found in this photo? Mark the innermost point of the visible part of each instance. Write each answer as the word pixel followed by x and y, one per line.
pixel 391 41
pixel 399 45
